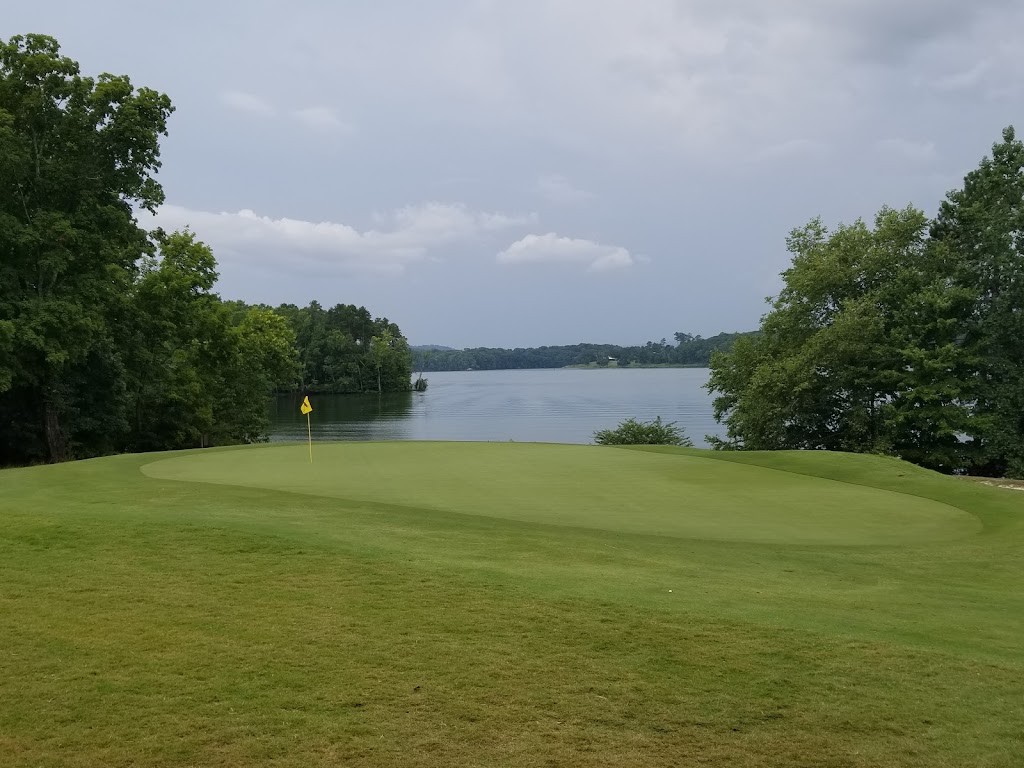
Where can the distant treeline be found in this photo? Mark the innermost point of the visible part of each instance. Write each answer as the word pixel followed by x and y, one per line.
pixel 688 350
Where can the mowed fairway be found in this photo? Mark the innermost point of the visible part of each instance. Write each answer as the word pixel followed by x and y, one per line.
pixel 414 604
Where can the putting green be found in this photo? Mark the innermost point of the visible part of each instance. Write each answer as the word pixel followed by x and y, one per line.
pixel 679 495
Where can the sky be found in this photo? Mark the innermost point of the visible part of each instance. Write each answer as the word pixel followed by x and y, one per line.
pixel 539 172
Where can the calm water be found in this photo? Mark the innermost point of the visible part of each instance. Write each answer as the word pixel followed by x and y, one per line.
pixel 557 406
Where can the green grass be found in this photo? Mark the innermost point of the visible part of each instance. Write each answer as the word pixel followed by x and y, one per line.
pixel 413 604
pixel 588 487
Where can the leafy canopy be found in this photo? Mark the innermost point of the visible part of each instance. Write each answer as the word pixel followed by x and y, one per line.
pixel 904 338
pixel 76 153
pixel 112 338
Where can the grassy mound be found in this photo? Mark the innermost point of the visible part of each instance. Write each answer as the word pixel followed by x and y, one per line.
pixel 688 496
pixel 506 604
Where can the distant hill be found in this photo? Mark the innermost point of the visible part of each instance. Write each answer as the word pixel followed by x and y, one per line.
pixel 430 348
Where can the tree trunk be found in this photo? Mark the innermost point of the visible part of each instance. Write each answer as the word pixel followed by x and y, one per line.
pixel 56 440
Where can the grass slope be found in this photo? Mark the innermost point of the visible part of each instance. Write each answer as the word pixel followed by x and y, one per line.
pixel 505 604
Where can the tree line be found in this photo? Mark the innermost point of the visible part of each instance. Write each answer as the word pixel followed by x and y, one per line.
pixel 688 350
pixel 112 338
pixel 903 337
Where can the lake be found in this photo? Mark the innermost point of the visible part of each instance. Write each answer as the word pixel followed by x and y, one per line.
pixel 549 406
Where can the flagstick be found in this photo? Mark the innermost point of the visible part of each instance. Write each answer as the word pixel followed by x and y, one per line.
pixel 309 430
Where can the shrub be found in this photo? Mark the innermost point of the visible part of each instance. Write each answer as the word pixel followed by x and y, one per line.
pixel 633 432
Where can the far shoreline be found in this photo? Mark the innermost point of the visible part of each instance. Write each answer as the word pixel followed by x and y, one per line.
pixel 590 366
pixel 596 367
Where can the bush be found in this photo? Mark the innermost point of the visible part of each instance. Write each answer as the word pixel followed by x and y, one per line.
pixel 420 385
pixel 633 432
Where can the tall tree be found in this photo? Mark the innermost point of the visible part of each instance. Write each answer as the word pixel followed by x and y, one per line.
pixel 6 359
pixel 176 346
pixel 397 369
pixel 265 360
pixel 201 369
pixel 76 154
pixel 380 352
pixel 980 229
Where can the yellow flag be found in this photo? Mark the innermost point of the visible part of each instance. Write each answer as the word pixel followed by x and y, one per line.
pixel 306 407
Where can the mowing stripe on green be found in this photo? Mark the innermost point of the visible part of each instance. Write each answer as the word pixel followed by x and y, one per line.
pixel 639 492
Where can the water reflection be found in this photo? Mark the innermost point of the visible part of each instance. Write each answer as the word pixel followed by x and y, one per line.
pixel 344 417
pixel 561 406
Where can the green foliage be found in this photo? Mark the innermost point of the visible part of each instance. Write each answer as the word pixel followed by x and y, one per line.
pixel 267 342
pixel 380 352
pixel 906 338
pixel 203 370
pixel 337 352
pixel 689 350
pixel 112 339
pixel 76 154
pixel 633 432
pixel 420 385
pixel 980 229
pixel 6 361
pixel 857 353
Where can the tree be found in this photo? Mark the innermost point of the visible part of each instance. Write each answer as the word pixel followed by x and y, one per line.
pixel 112 339
pixel 633 432
pixel 858 353
pixel 980 233
pixel 178 345
pixel 76 154
pixel 260 357
pixel 267 343
pixel 6 360
pixel 201 369
pixel 384 348
pixel 397 371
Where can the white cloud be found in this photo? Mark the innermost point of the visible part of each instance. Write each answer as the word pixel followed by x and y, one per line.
pixel 406 236
pixel 322 119
pixel 965 79
pixel 443 222
pixel 246 102
pixel 317 118
pixel 558 190
pixel 554 249
pixel 906 150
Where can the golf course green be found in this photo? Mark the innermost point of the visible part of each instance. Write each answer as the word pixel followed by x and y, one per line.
pixel 507 604
pixel 588 487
